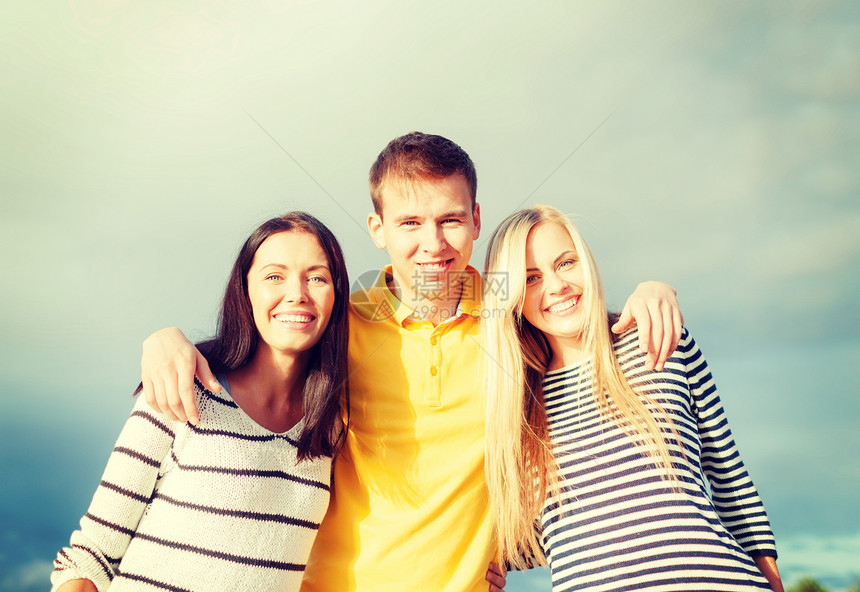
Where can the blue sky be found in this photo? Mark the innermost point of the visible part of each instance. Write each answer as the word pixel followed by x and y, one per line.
pixel 713 145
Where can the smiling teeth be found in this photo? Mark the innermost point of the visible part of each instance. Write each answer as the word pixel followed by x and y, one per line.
pixel 562 306
pixel 433 266
pixel 294 318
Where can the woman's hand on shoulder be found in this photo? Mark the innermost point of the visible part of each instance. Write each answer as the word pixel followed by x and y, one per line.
pixel 167 369
pixel 653 306
pixel 496 577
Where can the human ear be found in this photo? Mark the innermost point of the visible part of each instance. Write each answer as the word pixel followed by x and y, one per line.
pixel 374 226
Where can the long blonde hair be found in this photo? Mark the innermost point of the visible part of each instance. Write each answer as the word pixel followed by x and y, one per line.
pixel 520 466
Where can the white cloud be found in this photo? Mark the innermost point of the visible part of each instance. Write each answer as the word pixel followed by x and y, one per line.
pixel 30 576
pixel 813 50
pixel 807 250
pixel 831 559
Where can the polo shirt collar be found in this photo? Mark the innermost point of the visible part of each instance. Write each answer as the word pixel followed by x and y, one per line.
pixel 383 298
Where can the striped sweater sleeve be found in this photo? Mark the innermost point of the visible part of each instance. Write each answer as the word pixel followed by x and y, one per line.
pixel 126 488
pixel 734 496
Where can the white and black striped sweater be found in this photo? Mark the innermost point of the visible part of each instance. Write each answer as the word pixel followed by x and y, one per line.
pixel 222 505
pixel 620 526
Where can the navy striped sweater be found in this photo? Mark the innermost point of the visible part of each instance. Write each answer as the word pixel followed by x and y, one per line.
pixel 621 527
pixel 222 505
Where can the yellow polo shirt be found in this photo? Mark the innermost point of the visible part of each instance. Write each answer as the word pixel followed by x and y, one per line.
pixel 409 507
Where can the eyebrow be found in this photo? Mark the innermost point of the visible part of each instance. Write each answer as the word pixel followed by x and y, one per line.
pixel 455 214
pixel 448 214
pixel 566 254
pixel 557 259
pixel 282 266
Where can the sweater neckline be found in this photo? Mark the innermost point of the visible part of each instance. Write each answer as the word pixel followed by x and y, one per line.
pixel 577 365
pixel 293 433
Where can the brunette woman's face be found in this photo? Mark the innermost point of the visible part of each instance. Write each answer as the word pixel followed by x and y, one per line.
pixel 554 285
pixel 291 291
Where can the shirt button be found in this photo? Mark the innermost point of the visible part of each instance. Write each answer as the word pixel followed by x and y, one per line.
pixel 433 340
pixel 433 371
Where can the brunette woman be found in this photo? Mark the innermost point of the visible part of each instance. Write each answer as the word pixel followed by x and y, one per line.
pixel 233 502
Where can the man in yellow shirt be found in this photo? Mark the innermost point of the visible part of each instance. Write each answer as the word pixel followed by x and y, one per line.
pixel 409 506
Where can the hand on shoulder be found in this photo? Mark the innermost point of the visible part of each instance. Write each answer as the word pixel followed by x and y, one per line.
pixel 168 366
pixel 654 308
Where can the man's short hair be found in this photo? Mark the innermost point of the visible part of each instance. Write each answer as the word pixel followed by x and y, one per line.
pixel 416 156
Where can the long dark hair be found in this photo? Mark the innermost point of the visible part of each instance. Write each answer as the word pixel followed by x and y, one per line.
pixel 236 338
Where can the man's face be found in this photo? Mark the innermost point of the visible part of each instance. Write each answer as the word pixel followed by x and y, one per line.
pixel 428 227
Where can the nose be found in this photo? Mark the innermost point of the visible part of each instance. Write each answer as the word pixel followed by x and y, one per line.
pixel 295 290
pixel 433 239
pixel 553 283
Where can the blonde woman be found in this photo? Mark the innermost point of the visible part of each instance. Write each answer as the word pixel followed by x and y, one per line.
pixel 633 475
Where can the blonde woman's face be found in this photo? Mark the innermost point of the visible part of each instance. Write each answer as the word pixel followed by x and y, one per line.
pixel 554 286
